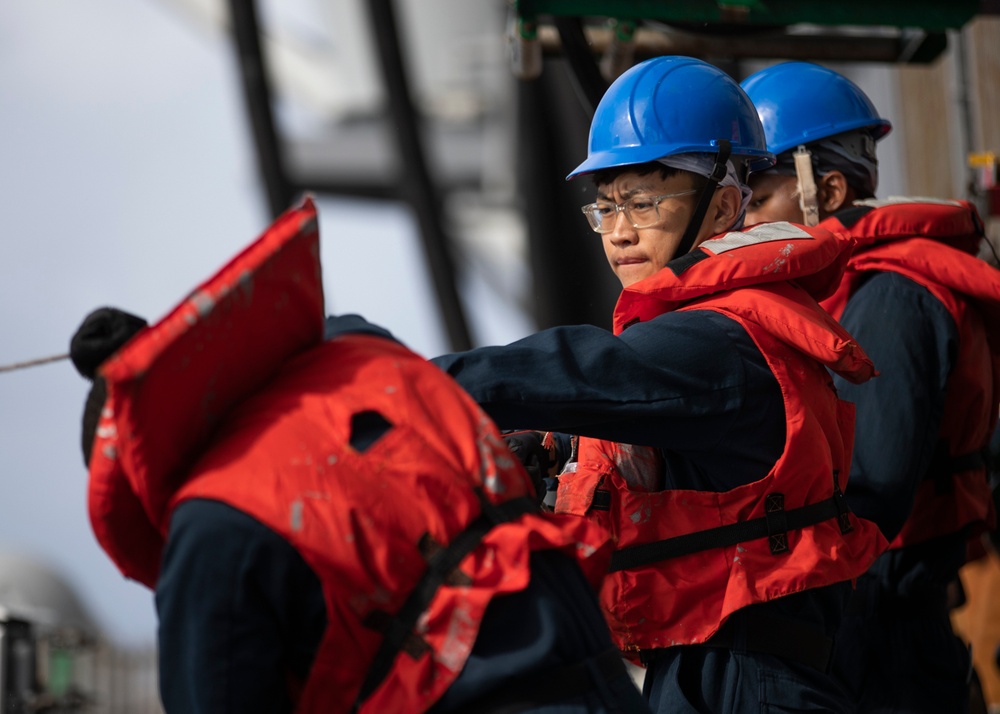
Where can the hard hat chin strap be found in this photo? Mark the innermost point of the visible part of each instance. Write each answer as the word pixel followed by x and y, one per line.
pixel 694 225
pixel 806 186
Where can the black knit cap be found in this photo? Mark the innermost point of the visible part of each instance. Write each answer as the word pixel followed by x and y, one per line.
pixel 100 334
pixel 98 337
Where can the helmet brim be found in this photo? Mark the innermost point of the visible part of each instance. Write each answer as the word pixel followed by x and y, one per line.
pixel 878 129
pixel 633 155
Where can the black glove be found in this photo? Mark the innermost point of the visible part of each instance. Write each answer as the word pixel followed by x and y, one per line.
pixel 100 334
pixel 537 460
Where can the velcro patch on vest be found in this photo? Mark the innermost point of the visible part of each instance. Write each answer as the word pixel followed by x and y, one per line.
pixel 897 200
pixel 381 622
pixel 763 233
pixel 679 265
pixel 429 549
pixel 777 523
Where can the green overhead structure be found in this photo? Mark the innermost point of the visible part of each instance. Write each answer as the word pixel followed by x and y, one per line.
pixel 930 15
pixel 585 44
pixel 625 31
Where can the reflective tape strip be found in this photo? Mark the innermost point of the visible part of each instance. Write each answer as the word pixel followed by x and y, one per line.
pixel 896 200
pixel 763 233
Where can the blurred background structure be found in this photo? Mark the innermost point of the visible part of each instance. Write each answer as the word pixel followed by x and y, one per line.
pixel 440 124
pixel 54 657
pixel 144 143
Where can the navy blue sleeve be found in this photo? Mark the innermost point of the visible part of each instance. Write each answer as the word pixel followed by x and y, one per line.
pixel 994 471
pixel 683 381
pixel 240 614
pixel 353 324
pixel 913 340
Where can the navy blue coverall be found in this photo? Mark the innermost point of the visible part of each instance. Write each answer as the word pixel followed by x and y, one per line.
pixel 241 615
pixel 694 385
pixel 896 650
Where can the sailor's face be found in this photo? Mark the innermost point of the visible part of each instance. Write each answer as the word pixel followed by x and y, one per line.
pixel 775 198
pixel 637 253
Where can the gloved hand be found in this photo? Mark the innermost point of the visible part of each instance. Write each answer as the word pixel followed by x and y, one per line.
pixel 100 334
pixel 538 460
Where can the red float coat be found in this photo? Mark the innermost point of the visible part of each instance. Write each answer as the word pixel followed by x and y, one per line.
pixel 411 537
pixel 934 244
pixel 787 532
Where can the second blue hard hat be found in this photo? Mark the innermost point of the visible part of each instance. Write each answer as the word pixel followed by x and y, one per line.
pixel 673 105
pixel 802 102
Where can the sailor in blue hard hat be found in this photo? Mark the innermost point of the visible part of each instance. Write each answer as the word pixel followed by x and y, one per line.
pixel 922 305
pixel 684 125
pixel 823 130
pixel 708 433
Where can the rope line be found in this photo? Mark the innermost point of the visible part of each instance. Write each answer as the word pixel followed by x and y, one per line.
pixel 32 362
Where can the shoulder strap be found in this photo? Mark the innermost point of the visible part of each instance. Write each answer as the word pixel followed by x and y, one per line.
pixel 398 629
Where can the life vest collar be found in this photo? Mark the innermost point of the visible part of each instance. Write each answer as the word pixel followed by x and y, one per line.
pixel 869 221
pixel 766 253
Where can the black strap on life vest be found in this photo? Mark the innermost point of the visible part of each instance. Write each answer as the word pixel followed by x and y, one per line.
pixel 718 173
pixel 774 526
pixel 944 466
pixel 398 629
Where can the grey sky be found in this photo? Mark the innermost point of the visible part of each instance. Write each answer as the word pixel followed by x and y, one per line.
pixel 126 178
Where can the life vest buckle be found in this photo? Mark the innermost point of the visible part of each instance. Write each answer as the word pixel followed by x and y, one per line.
pixel 843 510
pixel 777 523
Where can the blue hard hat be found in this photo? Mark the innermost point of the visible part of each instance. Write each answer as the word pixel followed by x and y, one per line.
pixel 673 105
pixel 801 102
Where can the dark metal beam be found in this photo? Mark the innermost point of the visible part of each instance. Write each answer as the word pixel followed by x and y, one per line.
pixel 586 73
pixel 343 187
pixel 417 185
pixel 257 96
pixel 571 282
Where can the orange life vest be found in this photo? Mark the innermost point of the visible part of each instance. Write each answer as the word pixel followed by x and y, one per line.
pixel 685 560
pixel 934 243
pixel 411 536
